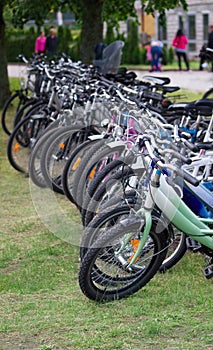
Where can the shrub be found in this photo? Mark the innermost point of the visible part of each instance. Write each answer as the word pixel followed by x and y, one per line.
pixel 165 56
pixel 23 41
pixel 20 41
pixel 170 55
pixel 131 50
pixel 110 37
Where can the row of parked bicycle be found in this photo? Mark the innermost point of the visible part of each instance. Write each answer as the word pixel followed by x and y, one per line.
pixel 137 165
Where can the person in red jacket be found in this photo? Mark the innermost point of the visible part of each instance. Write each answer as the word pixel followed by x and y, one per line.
pixel 40 44
pixel 180 42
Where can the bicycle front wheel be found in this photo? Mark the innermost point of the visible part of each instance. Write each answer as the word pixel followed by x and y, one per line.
pixel 104 274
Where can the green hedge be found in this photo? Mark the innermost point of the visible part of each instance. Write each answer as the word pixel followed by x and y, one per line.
pixel 23 42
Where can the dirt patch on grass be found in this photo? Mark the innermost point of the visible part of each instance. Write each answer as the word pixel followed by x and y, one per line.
pixel 15 342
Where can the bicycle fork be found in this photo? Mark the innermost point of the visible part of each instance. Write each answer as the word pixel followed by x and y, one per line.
pixel 145 217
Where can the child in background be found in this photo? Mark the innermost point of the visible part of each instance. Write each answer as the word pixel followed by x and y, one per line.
pixel 156 54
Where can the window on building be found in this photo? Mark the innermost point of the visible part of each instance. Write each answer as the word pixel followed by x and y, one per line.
pixel 191 31
pixel 205 27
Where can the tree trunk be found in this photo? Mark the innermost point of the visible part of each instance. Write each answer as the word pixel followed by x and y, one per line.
pixel 4 80
pixel 92 29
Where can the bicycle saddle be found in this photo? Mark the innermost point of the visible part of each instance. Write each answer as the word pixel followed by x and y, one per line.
pixel 157 80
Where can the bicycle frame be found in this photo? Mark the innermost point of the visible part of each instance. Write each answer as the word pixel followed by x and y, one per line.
pixel 164 196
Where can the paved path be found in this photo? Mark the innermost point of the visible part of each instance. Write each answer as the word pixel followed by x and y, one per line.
pixel 196 81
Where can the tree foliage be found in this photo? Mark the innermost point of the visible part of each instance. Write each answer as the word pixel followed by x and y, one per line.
pixel 91 14
pixel 4 82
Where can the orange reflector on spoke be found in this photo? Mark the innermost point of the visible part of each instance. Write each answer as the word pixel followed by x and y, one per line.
pixel 61 145
pixel 135 244
pixel 16 147
pixel 92 173
pixel 76 164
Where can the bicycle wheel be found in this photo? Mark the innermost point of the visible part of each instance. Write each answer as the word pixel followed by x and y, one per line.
pixel 95 163
pixel 83 162
pixel 72 165
pixel 26 110
pixel 104 274
pixel 35 172
pixel 22 140
pixel 112 169
pixel 208 94
pixel 110 215
pixel 56 153
pixel 175 251
pixel 116 185
pixel 11 107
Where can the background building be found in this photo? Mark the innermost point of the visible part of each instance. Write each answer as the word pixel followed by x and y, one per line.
pixel 195 24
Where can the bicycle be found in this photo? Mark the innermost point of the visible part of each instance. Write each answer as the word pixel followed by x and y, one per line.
pixel 125 258
pixel 25 94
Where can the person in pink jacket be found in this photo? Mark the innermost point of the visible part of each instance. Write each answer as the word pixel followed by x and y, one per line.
pixel 40 44
pixel 180 42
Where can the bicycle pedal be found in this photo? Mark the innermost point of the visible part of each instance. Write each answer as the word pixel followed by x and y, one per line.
pixel 193 245
pixel 208 271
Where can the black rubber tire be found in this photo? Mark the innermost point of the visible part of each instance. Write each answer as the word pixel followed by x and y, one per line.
pixel 84 160
pixel 85 170
pixel 23 111
pixel 176 251
pixel 115 209
pixel 22 140
pixel 208 94
pixel 114 186
pixel 52 156
pixel 72 165
pixel 15 101
pixel 97 279
pixel 109 170
pixel 35 172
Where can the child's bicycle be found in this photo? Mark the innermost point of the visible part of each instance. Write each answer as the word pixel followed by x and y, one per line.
pixel 128 255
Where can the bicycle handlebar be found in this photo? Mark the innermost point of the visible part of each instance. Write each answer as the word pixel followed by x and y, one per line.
pixel 161 165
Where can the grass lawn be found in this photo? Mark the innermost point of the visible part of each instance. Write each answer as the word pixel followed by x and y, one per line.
pixel 42 307
pixel 194 65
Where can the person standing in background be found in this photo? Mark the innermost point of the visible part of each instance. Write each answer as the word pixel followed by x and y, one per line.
pixel 203 57
pixel 52 43
pixel 40 44
pixel 156 53
pixel 180 42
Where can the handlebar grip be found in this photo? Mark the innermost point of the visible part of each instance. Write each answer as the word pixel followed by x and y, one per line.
pixel 189 178
pixel 205 145
pixel 184 159
pixel 191 146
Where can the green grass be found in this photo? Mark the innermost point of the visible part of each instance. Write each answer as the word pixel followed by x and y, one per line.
pixel 194 65
pixel 43 308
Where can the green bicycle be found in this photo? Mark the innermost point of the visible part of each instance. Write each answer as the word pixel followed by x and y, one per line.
pixel 128 255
